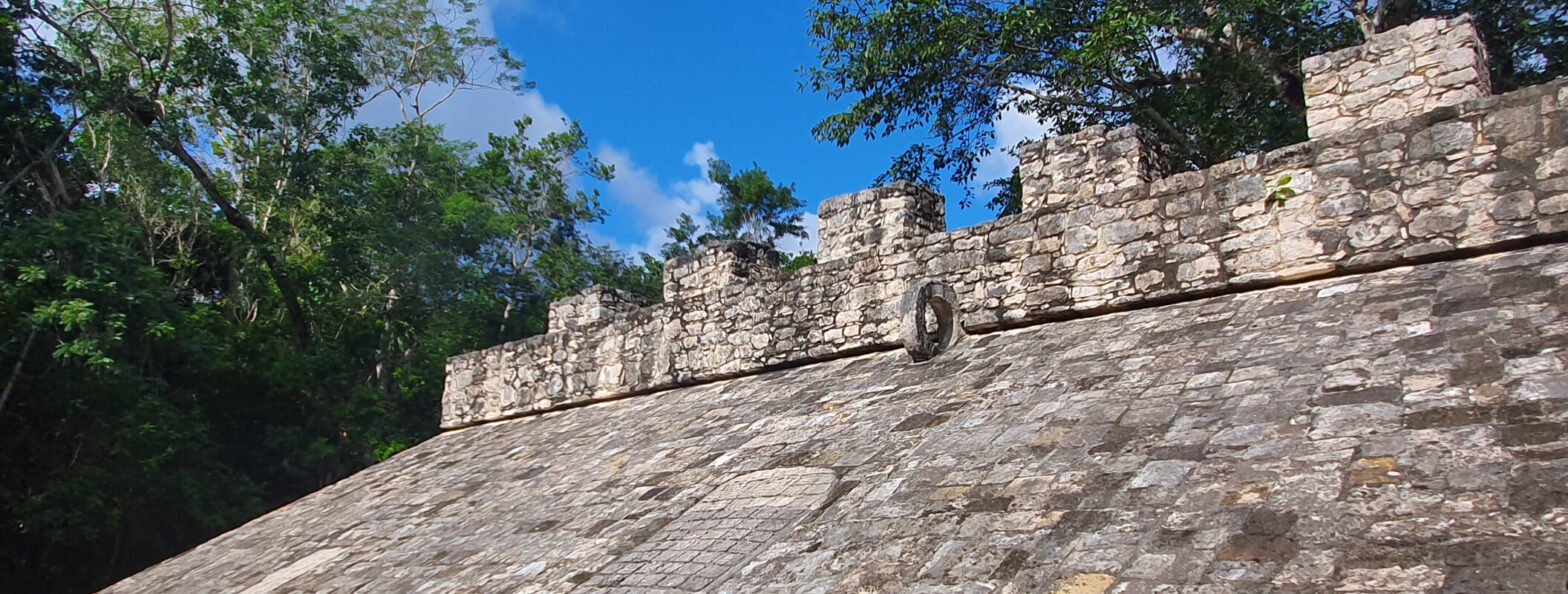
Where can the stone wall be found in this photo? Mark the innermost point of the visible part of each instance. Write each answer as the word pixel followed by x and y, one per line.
pixel 717 267
pixel 1399 431
pixel 1076 167
pixel 1399 73
pixel 1393 422
pixel 592 306
pixel 866 222
pixel 1466 177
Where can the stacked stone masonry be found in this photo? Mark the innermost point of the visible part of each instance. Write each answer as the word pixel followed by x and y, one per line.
pixel 1074 168
pixel 1358 385
pixel 1471 176
pixel 1399 431
pixel 867 222
pixel 594 305
pixel 1402 72
pixel 718 268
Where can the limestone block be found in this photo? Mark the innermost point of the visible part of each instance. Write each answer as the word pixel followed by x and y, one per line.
pixel 593 305
pixel 929 314
pixel 864 223
pixel 1073 168
pixel 1396 74
pixel 717 266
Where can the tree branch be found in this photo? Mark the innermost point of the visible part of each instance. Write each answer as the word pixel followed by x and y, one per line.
pixel 1286 82
pixel 16 370
pixel 44 155
pixel 1367 23
pixel 291 301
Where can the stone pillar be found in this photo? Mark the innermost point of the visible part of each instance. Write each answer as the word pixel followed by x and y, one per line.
pixel 1092 161
pixel 862 223
pixel 1399 73
pixel 716 266
pixel 593 305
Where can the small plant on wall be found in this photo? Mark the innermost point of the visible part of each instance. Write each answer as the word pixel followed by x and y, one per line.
pixel 1279 191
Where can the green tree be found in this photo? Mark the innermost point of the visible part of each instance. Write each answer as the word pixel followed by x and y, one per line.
pixel 216 293
pixel 1213 79
pixel 1009 198
pixel 1526 40
pixel 751 207
pixel 685 238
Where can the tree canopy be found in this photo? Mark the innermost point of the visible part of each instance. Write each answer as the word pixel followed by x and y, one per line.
pixel 751 207
pixel 219 290
pixel 1215 79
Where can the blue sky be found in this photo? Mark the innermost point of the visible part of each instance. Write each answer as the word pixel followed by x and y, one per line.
pixel 659 87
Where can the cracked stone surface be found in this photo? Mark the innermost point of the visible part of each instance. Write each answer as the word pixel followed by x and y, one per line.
pixel 1394 431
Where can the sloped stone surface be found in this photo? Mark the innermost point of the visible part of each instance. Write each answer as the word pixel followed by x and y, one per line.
pixel 1396 431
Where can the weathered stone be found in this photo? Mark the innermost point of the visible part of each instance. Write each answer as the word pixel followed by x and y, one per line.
pixel 1075 260
pixel 861 224
pixel 929 313
pixel 1515 206
pixel 1162 473
pixel 1084 583
pixel 1419 578
pixel 1217 231
pixel 1187 385
pixel 717 266
pixel 1437 220
pixel 1094 161
pixel 593 305
pixel 780 481
pixel 1393 77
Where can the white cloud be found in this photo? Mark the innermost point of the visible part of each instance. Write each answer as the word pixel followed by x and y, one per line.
pixel 795 245
pixel 700 155
pixel 654 207
pixel 641 197
pixel 700 187
pixel 1012 129
pixel 473 114
pixel 548 12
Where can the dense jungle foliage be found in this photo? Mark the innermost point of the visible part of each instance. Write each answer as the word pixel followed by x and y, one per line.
pixel 1215 79
pixel 218 292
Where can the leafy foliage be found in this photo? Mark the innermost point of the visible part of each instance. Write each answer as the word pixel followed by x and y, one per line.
pixel 1280 191
pixel 751 207
pixel 217 293
pixel 1213 79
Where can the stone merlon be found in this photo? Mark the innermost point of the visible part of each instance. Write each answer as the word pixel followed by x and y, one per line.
pixel 591 306
pixel 1093 161
pixel 865 223
pixel 1396 74
pixel 716 267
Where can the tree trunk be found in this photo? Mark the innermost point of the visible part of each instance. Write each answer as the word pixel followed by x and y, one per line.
pixel 286 288
pixel 16 370
pixel 383 376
